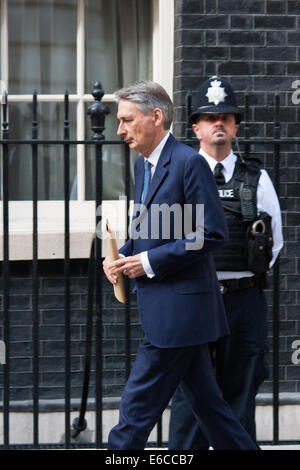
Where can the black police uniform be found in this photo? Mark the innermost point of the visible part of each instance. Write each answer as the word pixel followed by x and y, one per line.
pixel 240 357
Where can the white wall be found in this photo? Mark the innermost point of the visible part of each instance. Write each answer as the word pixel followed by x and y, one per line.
pixel 51 425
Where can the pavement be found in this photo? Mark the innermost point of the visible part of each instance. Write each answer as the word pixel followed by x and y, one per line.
pixel 281 447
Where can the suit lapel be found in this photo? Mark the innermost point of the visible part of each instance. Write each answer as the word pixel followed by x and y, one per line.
pixel 161 170
pixel 139 180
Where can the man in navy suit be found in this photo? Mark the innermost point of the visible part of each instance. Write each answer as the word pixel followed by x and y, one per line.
pixel 178 296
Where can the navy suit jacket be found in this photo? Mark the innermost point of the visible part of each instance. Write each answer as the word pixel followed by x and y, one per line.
pixel 182 304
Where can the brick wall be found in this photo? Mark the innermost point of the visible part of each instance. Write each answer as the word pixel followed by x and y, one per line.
pixel 254 44
pixel 52 332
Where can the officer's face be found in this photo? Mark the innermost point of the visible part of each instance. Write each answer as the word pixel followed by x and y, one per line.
pixel 215 129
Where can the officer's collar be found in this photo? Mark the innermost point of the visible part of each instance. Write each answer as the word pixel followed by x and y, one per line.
pixel 228 162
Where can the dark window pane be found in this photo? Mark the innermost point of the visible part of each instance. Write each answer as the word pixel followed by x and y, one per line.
pixel 42 46
pixel 118 42
pixel 113 157
pixel 50 157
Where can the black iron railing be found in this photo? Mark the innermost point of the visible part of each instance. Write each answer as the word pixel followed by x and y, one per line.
pixel 97 111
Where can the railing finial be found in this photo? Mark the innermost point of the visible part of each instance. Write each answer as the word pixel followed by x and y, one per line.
pixel 97 111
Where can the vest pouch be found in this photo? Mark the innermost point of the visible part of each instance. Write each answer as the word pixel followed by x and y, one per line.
pixel 257 254
pixel 269 236
pixel 259 244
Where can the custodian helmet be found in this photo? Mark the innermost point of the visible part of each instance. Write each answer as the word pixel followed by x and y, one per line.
pixel 215 96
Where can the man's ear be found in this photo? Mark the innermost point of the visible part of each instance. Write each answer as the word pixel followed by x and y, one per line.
pixel 196 130
pixel 158 117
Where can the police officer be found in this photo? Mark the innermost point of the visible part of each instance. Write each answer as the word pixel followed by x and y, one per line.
pixel 253 215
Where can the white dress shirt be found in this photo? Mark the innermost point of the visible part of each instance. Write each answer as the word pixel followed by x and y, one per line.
pixel 267 201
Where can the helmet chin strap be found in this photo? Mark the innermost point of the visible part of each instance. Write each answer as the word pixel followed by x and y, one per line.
pixel 238 148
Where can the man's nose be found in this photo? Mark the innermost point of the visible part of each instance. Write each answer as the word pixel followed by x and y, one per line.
pixel 219 120
pixel 120 130
pixel 219 123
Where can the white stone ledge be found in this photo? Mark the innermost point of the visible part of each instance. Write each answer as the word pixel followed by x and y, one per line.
pixel 52 425
pixel 51 228
pixel 262 399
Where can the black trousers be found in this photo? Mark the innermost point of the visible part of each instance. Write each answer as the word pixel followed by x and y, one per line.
pixel 240 369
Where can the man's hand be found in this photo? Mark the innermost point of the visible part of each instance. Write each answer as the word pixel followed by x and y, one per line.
pixel 130 266
pixel 113 278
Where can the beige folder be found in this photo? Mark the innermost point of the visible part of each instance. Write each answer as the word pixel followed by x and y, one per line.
pixel 119 288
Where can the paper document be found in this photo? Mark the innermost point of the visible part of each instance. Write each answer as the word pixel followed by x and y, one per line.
pixel 119 288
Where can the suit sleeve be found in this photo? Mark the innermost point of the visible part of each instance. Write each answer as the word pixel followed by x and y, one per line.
pixel 126 249
pixel 208 222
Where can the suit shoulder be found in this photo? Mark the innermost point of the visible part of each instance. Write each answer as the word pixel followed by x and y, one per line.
pixel 185 151
pixel 138 162
pixel 138 159
pixel 189 159
pixel 194 158
pixel 184 147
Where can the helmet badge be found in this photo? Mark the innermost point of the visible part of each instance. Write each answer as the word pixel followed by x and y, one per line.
pixel 216 94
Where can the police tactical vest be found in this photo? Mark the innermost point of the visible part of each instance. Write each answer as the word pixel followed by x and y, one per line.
pixel 238 197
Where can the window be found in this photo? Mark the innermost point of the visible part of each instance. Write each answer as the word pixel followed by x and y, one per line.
pixel 54 45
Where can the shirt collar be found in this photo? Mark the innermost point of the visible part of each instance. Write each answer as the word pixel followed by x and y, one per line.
pixel 228 163
pixel 154 156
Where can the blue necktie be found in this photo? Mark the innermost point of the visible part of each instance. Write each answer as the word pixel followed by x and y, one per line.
pixel 147 178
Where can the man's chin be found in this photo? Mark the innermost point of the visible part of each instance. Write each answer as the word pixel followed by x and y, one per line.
pixel 220 141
